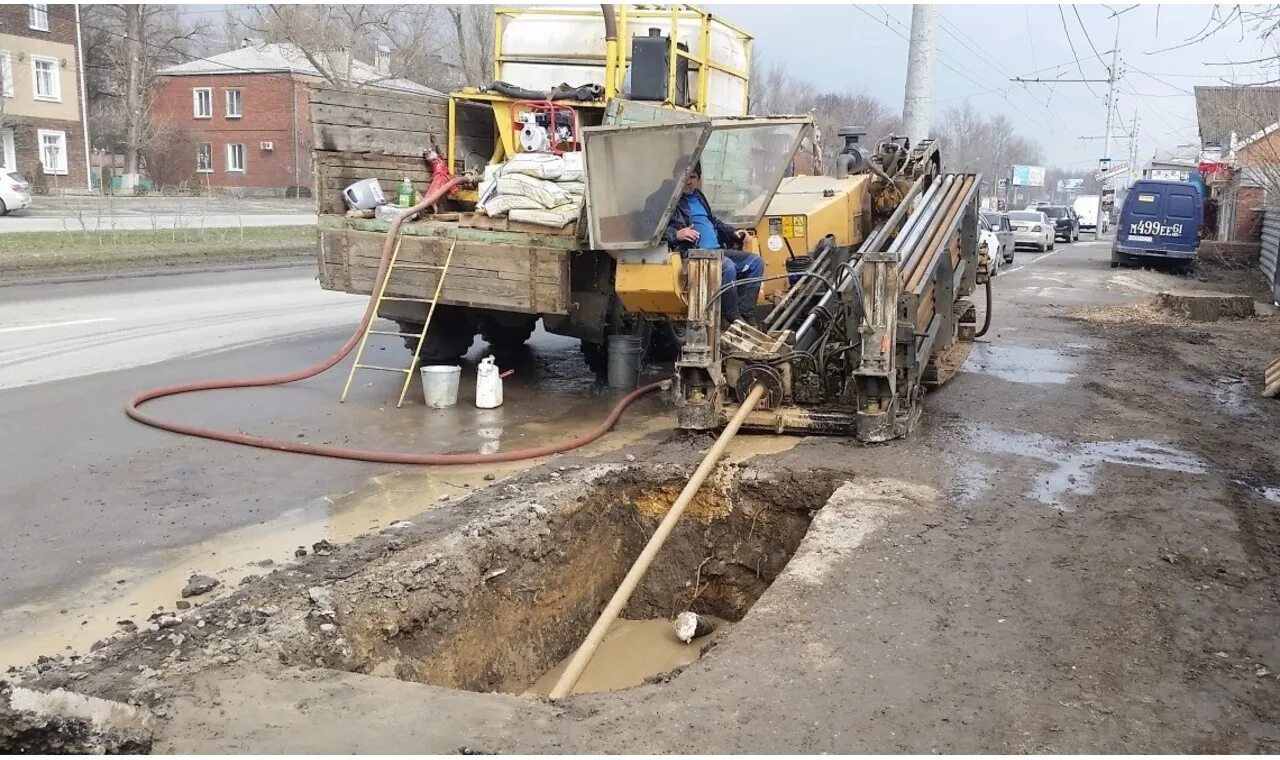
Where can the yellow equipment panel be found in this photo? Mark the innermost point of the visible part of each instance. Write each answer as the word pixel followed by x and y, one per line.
pixel 654 289
pixel 804 211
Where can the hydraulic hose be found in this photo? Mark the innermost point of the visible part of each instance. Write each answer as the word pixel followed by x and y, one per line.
pixel 363 455
pixel 986 318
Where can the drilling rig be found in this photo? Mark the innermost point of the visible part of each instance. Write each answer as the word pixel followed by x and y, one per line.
pixel 873 269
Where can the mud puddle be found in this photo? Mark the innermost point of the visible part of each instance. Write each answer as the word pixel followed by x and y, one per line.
pixel 632 652
pixel 71 620
pixel 1075 466
pixel 1021 364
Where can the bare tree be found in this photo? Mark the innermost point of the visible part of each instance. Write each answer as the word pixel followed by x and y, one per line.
pixel 125 46
pixel 473 31
pixel 332 37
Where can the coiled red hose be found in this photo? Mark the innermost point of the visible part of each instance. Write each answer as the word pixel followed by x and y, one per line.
pixel 363 455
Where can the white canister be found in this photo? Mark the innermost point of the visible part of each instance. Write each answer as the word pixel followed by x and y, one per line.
pixel 488 384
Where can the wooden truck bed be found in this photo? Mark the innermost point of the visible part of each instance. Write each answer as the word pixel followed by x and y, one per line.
pixel 512 271
pixel 496 264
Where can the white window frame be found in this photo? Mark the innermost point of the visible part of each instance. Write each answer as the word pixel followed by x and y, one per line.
pixel 239 103
pixel 231 167
pixel 55 81
pixel 6 73
pixel 209 168
pixel 38 16
pixel 62 137
pixel 195 102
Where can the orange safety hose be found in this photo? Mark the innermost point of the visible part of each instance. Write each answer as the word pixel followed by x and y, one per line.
pixel 363 455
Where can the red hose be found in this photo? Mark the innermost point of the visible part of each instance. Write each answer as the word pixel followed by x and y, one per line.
pixel 338 452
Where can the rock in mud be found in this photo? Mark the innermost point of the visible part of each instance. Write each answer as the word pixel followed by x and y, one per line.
pixel 63 722
pixel 322 600
pixel 199 584
pixel 323 547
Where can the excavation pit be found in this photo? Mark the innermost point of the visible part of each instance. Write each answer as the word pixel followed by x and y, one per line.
pixel 496 609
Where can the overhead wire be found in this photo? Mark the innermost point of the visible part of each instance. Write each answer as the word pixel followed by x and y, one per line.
pixel 1072 45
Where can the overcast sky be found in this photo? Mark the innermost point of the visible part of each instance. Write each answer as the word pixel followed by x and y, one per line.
pixel 864 48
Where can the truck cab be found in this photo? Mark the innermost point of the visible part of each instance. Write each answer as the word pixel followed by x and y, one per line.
pixel 1159 223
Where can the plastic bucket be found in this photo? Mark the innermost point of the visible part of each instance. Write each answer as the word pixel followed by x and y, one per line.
pixel 797 266
pixel 624 361
pixel 440 385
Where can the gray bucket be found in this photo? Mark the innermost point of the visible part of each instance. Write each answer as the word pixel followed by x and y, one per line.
pixel 625 354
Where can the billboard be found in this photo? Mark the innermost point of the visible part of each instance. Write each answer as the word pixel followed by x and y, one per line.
pixel 1028 176
pixel 1073 185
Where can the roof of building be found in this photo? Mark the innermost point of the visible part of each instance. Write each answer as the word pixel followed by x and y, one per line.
pixel 279 58
pixel 1221 111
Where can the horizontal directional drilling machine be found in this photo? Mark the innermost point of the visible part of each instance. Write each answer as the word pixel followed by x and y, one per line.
pixel 874 308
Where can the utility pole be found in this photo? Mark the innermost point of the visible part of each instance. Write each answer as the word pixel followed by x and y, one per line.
pixel 917 103
pixel 133 95
pixel 1111 97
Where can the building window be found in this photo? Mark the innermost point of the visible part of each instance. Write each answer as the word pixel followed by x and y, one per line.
pixel 48 85
pixel 235 157
pixel 204 157
pixel 53 151
pixel 6 73
pixel 38 16
pixel 233 104
pixel 203 100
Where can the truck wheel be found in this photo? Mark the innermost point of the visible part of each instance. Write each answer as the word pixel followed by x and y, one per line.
pixel 448 340
pixel 508 335
pixel 596 356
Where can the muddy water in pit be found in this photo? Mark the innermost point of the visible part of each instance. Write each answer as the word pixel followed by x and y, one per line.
pixel 73 619
pixel 632 651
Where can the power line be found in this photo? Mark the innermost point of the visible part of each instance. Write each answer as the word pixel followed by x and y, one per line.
pixel 1087 38
pixel 1067 31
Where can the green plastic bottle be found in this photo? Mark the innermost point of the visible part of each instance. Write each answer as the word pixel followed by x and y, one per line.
pixel 405 195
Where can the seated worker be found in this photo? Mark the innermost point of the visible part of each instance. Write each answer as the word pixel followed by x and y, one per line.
pixel 693 225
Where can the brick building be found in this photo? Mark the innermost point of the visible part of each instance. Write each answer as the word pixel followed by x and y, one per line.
pixel 240 120
pixel 42 134
pixel 1238 128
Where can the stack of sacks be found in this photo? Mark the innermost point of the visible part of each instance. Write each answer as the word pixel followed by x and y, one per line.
pixel 537 188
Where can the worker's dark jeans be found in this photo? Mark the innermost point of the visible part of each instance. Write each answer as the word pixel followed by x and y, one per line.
pixel 740 302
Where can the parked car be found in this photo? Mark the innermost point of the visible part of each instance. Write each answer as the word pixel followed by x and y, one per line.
pixel 1003 229
pixel 1159 222
pixel 1066 224
pixel 15 193
pixel 1032 228
pixel 1092 217
pixel 990 242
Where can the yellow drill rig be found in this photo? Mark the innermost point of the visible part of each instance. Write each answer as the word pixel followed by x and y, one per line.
pixel 873 269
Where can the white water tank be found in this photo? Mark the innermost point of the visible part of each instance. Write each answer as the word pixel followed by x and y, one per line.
pixel 541 49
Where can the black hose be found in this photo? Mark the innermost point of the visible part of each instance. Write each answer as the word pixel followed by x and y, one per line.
pixel 586 93
pixel 986 318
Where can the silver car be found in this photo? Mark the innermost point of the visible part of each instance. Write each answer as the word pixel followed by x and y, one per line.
pixel 1032 228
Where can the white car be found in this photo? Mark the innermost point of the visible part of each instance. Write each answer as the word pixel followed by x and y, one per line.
pixel 987 237
pixel 15 193
pixel 1032 228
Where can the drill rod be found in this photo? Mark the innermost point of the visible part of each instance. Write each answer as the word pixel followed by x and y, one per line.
pixel 582 657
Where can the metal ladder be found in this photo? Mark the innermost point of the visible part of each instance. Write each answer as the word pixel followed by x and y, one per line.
pixel 422 336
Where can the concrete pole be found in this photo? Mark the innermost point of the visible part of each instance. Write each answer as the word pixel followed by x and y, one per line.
pixel 1111 96
pixel 918 101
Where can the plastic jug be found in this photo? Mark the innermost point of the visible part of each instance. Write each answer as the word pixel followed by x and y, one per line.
pixel 365 194
pixel 488 384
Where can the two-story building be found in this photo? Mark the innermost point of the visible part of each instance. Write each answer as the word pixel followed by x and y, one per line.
pixel 42 133
pixel 241 119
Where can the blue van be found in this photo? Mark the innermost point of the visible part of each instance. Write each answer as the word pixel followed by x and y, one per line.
pixel 1160 221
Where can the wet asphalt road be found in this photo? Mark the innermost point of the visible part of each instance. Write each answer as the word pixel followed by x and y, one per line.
pixel 95 497
pixel 90 491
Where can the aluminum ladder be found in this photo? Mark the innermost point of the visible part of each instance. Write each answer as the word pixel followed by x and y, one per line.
pixel 422 336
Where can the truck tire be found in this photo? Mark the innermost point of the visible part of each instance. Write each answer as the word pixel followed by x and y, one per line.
pixel 447 341
pixel 596 357
pixel 508 336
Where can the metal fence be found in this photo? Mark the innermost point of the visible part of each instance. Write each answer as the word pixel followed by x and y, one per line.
pixel 1270 255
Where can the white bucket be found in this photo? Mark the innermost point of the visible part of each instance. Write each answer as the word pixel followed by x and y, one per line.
pixel 440 385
